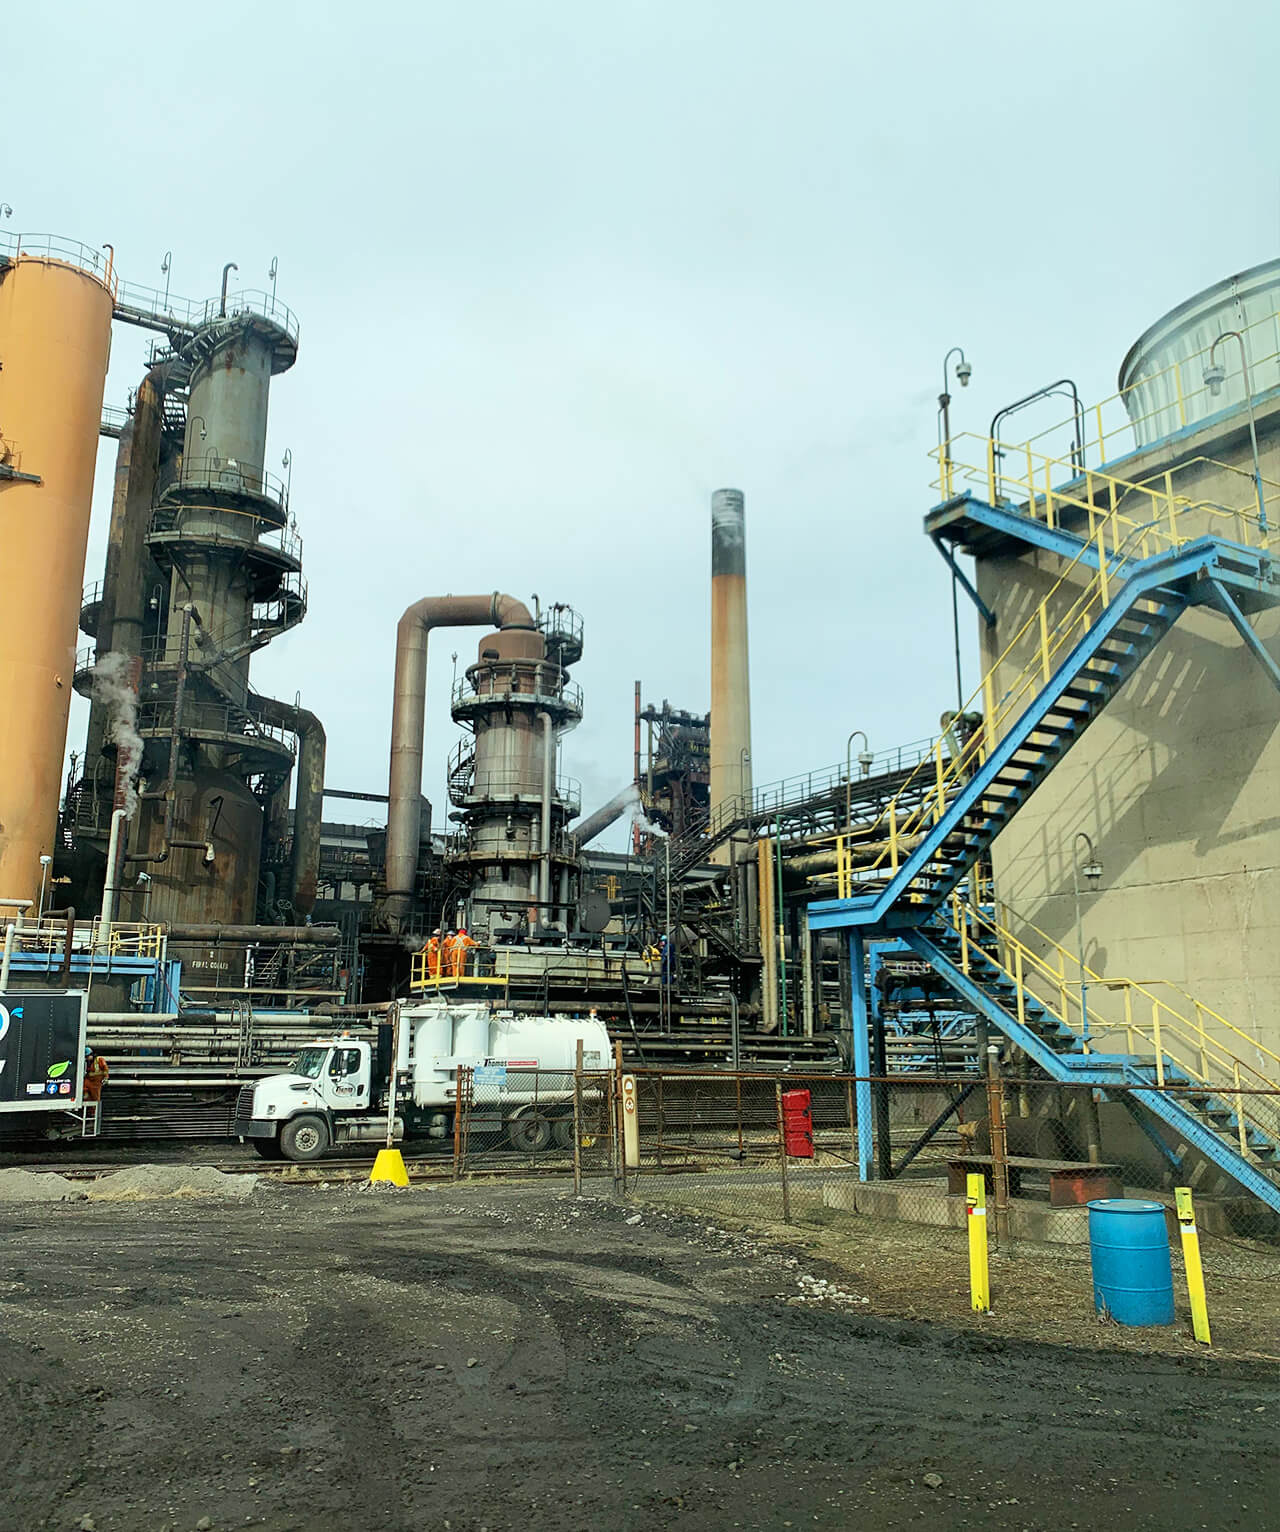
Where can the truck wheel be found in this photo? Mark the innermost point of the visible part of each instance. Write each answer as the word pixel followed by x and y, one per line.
pixel 304 1138
pixel 267 1148
pixel 562 1132
pixel 530 1134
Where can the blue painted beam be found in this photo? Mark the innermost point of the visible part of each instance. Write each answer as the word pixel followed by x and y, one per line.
pixel 1241 624
pixel 859 1021
pixel 1209 1144
pixel 1191 563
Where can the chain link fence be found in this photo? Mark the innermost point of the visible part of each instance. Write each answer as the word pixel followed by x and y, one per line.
pixel 760 1149
pixel 882 1167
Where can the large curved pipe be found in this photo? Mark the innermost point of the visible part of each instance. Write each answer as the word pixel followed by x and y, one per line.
pixel 304 870
pixel 408 722
pixel 609 813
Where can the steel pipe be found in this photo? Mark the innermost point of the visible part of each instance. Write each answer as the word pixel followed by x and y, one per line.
pixel 304 867
pixel 408 723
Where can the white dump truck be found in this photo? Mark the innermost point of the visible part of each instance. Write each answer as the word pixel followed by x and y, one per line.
pixel 338 1090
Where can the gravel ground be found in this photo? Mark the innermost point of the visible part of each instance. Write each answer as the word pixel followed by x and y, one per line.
pixel 511 1357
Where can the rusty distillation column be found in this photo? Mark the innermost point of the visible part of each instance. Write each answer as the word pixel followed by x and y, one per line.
pixel 730 678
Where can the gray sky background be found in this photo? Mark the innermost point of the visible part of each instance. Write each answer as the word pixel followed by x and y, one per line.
pixel 564 269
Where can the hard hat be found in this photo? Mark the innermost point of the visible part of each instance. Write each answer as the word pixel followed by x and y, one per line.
pixel 436 932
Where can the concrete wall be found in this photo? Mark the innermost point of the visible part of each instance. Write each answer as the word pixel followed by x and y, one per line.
pixel 1178 783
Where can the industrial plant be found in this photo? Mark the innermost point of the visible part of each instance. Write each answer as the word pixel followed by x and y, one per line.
pixel 1080 868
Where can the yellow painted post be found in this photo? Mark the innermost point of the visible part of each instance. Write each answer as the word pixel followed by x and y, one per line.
pixel 1102 441
pixel 1044 641
pixel 1128 1020
pixel 991 470
pixel 1242 1132
pixel 1155 1034
pixel 979 1269
pixel 1019 985
pixel 1177 384
pixel 937 757
pixel 893 835
pixel 1191 1260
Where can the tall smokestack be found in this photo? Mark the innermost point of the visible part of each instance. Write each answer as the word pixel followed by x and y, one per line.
pixel 730 680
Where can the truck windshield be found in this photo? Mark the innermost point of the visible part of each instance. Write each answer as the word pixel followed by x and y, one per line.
pixel 310 1062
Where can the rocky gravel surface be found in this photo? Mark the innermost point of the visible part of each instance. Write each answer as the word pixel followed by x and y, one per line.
pixel 500 1358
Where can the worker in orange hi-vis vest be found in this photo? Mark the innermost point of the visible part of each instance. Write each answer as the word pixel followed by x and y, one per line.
pixel 95 1075
pixel 447 947
pixel 434 955
pixel 463 946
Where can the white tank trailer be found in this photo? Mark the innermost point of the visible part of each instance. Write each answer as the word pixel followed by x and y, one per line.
pixel 338 1089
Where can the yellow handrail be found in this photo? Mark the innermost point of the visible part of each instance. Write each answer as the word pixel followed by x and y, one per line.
pixel 1164 521
pixel 1135 986
pixel 1178 388
pixel 1173 1038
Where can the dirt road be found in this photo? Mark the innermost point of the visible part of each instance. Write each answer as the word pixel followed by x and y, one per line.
pixel 511 1358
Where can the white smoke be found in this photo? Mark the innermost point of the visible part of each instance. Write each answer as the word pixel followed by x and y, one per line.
pixel 113 690
pixel 637 816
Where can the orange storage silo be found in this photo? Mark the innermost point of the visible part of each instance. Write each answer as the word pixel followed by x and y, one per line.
pixel 55 340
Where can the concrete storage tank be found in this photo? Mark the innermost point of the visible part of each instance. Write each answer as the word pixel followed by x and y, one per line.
pixel 56 301
pixel 1162 376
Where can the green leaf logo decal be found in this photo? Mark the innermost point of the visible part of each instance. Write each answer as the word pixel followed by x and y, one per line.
pixel 57 1070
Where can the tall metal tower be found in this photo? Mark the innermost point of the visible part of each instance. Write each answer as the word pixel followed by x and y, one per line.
pixel 204 569
pixel 516 701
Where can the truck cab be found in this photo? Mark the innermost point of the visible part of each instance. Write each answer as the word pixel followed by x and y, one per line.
pixel 299 1114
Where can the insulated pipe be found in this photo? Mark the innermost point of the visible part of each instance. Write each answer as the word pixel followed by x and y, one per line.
pixel 304 869
pixel 548 782
pixel 408 721
pixel 118 818
pixel 597 823
pixel 730 678
pixel 303 936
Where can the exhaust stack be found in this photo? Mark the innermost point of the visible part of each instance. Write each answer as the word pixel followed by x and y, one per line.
pixel 730 678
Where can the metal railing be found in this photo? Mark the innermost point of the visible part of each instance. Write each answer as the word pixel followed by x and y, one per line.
pixel 1178 1032
pixel 213 471
pixel 773 799
pixel 117 938
pixel 1160 521
pixel 70 252
pixel 91 594
pixel 169 311
pixel 218 718
pixel 233 526
pixel 1114 427
pixel 506 785
pixel 520 688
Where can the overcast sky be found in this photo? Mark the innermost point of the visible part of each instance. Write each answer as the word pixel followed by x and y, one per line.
pixel 563 269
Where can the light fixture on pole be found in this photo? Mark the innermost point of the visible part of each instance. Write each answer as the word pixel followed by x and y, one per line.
pixel 1091 872
pixel 964 372
pixel 744 760
pixel 45 863
pixel 865 759
pixel 1215 375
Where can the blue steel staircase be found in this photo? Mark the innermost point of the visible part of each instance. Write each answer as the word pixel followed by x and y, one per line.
pixel 1125 583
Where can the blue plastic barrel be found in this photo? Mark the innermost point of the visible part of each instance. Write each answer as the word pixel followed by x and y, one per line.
pixel 1132 1272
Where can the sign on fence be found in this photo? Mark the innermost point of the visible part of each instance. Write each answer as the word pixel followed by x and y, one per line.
pixel 489 1074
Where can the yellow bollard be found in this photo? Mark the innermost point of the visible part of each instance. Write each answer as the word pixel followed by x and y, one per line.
pixel 389 1166
pixel 979 1274
pixel 1191 1259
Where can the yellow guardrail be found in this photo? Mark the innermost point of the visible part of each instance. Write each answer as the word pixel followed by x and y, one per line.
pixel 422 977
pixel 1179 396
pixel 1058 493
pixel 119 939
pixel 1182 1032
pixel 1158 520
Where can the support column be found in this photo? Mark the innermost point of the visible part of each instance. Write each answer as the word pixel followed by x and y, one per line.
pixel 861 1053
